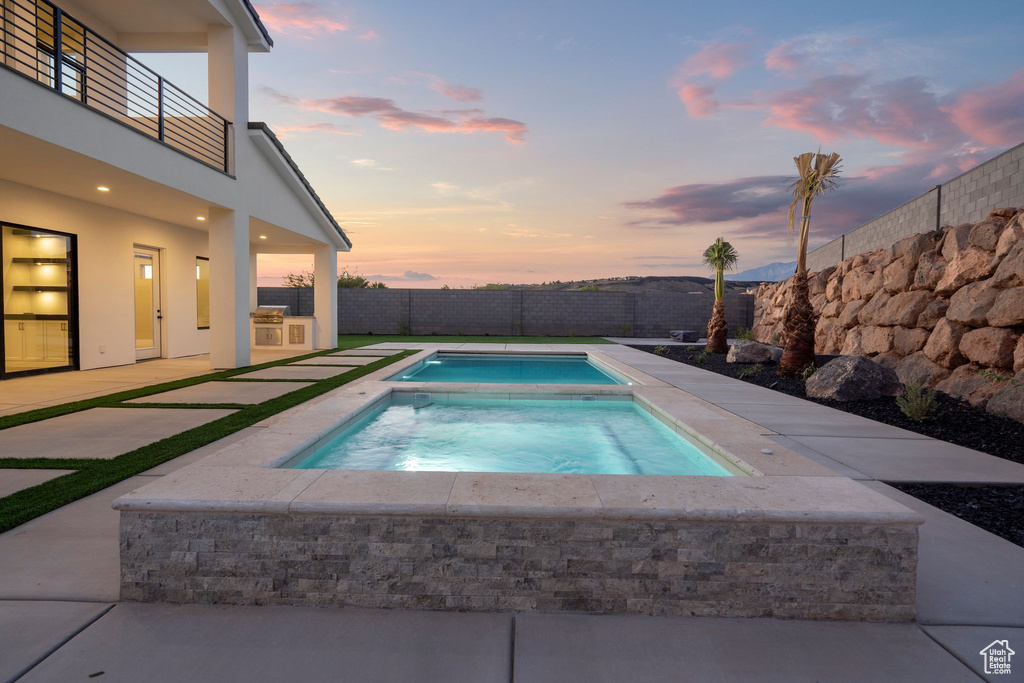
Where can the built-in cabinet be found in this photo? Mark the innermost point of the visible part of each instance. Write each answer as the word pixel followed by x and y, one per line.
pixel 39 311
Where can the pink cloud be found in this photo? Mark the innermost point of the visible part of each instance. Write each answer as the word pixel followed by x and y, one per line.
pixel 391 116
pixel 368 35
pixel 698 99
pixel 460 93
pixel 718 60
pixel 785 57
pixel 303 19
pixel 992 114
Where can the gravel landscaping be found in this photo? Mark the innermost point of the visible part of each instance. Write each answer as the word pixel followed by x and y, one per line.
pixel 954 421
pixel 996 509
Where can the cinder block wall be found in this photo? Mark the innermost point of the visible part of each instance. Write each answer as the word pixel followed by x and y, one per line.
pixel 515 312
pixel 967 198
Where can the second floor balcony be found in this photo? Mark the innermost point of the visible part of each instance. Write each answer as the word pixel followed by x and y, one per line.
pixel 40 41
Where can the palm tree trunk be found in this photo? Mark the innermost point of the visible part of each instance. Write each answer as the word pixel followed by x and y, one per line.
pixel 798 324
pixel 718 330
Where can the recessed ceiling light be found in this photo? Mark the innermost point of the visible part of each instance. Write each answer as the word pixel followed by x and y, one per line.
pixel 103 188
pixel 263 237
pixel 200 218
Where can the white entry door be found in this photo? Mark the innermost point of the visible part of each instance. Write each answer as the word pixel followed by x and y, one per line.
pixel 147 303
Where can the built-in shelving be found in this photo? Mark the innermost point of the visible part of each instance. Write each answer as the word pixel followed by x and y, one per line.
pixel 39 288
pixel 40 261
pixel 36 316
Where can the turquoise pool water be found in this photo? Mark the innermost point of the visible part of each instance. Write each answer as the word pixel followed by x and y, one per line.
pixel 461 434
pixel 508 369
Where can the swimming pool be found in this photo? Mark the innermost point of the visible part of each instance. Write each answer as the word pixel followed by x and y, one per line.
pixel 508 369
pixel 453 433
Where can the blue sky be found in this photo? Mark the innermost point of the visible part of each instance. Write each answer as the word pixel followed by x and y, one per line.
pixel 472 142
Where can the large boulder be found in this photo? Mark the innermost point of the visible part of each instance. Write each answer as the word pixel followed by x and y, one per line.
pixel 871 314
pixel 929 270
pixel 933 313
pixel 943 345
pixel 851 344
pixel 909 249
pixel 817 282
pixel 1010 272
pixel 970 304
pixel 831 309
pixel 850 317
pixel 853 378
pixel 860 284
pixel 986 233
pixel 828 336
pixel 990 346
pixel 888 360
pixel 897 277
pixel 834 287
pixel 956 239
pixel 749 352
pixel 967 383
pixel 1008 308
pixel 875 339
pixel 1018 355
pixel 908 340
pixel 904 308
pixel 1012 234
pixel 968 265
pixel 918 368
pixel 1009 400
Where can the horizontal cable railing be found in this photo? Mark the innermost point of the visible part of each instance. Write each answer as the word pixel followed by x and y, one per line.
pixel 40 41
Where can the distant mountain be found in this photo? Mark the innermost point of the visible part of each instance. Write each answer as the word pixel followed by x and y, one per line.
pixel 773 272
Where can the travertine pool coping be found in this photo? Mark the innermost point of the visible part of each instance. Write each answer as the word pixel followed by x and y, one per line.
pixel 780 486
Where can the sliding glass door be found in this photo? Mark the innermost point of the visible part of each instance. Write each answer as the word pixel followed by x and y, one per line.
pixel 38 301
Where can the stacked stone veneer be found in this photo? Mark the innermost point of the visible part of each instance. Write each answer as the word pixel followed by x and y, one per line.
pixel 516 312
pixel 943 308
pixel 967 198
pixel 736 569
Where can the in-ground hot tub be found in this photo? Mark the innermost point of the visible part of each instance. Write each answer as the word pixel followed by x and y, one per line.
pixel 785 537
pixel 506 368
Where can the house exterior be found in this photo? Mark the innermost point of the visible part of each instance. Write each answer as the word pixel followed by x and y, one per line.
pixel 131 213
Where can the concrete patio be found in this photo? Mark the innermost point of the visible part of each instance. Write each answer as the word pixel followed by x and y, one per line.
pixel 59 619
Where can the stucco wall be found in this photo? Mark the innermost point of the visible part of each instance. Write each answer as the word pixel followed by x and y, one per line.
pixel 106 238
pixel 966 198
pixel 516 311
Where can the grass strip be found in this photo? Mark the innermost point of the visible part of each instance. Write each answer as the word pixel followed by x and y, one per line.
pixel 45 463
pixel 96 475
pixel 357 340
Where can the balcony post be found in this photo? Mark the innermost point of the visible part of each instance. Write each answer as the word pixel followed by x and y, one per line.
pixel 160 107
pixel 58 49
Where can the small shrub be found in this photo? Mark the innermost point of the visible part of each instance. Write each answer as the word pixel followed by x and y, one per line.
pixel 627 330
pixel 661 350
pixel 808 370
pixel 776 339
pixel 701 357
pixel 994 375
pixel 744 334
pixel 750 370
pixel 590 288
pixel 404 329
pixel 916 402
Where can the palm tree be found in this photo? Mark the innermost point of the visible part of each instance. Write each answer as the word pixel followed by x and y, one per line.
pixel 818 174
pixel 720 256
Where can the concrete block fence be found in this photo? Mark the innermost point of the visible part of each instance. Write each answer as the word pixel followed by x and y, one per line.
pixel 967 198
pixel 515 311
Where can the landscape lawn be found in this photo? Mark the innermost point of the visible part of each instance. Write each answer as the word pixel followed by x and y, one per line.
pixel 351 341
pixel 93 475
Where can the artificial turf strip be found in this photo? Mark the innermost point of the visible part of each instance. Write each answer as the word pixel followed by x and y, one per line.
pixel 96 475
pixel 46 413
pixel 347 341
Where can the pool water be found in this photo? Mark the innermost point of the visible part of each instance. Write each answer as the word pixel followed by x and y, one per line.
pixel 508 369
pixel 464 434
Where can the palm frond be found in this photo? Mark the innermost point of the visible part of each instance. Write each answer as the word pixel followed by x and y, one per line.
pixel 721 255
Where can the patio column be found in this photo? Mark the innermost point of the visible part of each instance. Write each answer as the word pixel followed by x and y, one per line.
pixel 253 283
pixel 228 81
pixel 325 295
pixel 229 289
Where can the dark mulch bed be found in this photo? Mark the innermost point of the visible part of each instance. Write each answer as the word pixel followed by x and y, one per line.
pixel 997 509
pixel 955 421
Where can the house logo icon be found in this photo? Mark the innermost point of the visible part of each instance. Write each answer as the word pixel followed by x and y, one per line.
pixel 997 657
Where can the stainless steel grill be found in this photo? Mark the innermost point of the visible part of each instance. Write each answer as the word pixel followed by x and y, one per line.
pixel 270 315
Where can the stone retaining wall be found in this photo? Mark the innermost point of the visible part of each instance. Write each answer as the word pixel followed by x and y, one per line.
pixel 943 308
pixel 515 312
pixel 736 569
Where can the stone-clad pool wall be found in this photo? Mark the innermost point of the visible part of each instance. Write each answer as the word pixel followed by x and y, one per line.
pixel 734 569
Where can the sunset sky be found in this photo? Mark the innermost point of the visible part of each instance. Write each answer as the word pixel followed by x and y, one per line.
pixel 466 142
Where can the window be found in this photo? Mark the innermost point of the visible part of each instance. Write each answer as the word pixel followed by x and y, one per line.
pixel 202 293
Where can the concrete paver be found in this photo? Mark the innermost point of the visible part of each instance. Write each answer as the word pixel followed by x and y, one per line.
pixel 965 575
pixel 31 630
pixel 595 649
pixel 916 460
pixel 967 642
pixel 68 554
pixel 101 432
pixel 223 392
pixel 16 480
pixel 154 643
pixel 821 459
pixel 351 361
pixel 200 453
pixel 814 420
pixel 296 372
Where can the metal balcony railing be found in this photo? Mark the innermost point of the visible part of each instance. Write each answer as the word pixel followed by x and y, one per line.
pixel 43 43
